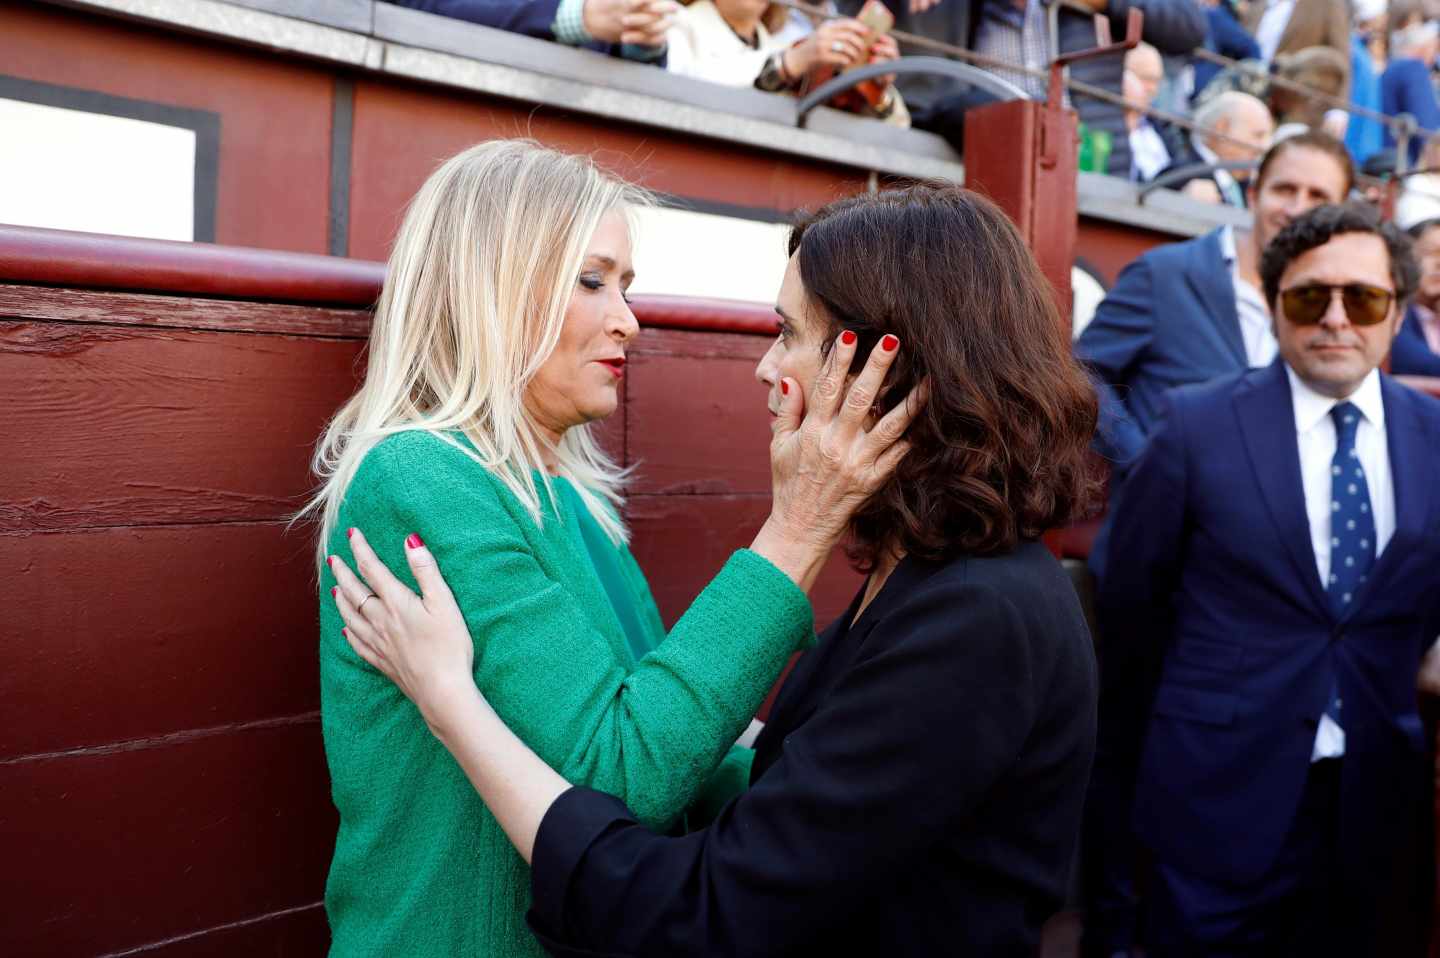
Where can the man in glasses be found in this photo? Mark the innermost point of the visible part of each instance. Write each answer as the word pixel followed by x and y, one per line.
pixel 1272 584
pixel 1182 313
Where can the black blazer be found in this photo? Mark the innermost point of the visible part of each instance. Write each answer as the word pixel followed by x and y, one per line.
pixel 917 791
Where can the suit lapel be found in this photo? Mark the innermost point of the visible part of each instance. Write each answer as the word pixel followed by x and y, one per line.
pixel 1406 439
pixel 1209 277
pixel 1266 417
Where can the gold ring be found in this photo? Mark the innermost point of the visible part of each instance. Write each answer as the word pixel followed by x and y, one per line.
pixel 361 607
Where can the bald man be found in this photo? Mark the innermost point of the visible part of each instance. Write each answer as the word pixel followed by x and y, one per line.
pixel 1232 116
pixel 1151 149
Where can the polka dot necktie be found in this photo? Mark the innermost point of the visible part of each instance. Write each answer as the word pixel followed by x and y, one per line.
pixel 1352 524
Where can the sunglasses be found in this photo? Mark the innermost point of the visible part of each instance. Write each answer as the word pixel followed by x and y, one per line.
pixel 1364 305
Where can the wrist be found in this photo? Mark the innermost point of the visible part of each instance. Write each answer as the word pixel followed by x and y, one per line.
pixel 792 64
pixel 799 555
pixel 446 704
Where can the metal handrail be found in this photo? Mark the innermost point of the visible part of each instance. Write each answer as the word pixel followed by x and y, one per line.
pixel 936 66
pixel 1189 172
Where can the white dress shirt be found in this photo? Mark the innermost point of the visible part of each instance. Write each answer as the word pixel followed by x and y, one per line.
pixel 1148 152
pixel 1256 328
pixel 1315 433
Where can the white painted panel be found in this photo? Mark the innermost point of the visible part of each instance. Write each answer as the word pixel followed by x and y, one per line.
pixel 705 254
pixel 72 170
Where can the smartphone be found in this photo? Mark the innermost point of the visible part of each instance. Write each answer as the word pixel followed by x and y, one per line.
pixel 876 16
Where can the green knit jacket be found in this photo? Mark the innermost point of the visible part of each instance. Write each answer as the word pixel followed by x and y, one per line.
pixel 421 867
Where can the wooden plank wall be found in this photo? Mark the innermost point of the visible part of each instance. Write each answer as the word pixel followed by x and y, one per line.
pixel 162 782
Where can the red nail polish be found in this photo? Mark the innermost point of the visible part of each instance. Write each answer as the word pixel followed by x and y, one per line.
pixel 889 343
pixel 848 337
pixel 350 533
pixel 335 591
pixel 784 388
pixel 345 632
pixel 414 541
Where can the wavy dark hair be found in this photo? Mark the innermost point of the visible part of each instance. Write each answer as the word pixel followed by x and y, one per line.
pixel 1000 452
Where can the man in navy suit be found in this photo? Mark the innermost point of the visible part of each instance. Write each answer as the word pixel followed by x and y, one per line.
pixel 1417 348
pixel 1182 313
pixel 1271 586
pixel 1188 312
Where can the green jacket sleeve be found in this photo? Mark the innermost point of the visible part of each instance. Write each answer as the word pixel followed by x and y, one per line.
pixel 730 778
pixel 648 735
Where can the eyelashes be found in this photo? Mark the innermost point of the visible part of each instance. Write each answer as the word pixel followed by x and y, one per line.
pixel 595 284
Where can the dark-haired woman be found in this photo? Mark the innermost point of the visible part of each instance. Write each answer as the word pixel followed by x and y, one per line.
pixel 918 788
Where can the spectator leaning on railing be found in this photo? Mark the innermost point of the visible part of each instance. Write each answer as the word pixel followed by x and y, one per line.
pixel 1229 117
pixel 632 29
pixel 731 42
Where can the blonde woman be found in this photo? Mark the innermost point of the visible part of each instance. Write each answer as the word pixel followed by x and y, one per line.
pixel 499 336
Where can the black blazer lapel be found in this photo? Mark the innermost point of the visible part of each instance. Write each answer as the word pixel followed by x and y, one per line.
pixel 1266 417
pixel 1209 277
pixel 1406 439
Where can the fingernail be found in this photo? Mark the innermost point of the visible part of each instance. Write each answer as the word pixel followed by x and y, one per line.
pixel 889 343
pixel 335 591
pixel 330 561
pixel 345 632
pixel 414 541
pixel 784 388
pixel 350 533
pixel 848 337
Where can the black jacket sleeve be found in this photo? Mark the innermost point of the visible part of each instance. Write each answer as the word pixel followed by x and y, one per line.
pixel 868 783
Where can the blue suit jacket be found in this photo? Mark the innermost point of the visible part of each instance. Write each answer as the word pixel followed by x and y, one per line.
pixel 1405 88
pixel 1169 321
pixel 1220 647
pixel 1411 355
pixel 1224 35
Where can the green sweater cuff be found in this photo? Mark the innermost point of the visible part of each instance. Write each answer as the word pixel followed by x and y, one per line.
pixel 791 606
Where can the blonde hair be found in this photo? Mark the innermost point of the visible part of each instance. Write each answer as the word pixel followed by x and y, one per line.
pixel 474 299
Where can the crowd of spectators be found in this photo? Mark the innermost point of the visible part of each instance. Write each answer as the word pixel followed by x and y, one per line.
pixel 1295 67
